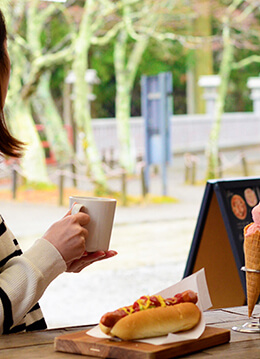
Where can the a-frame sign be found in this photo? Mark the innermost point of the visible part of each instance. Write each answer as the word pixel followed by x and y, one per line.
pixel 218 239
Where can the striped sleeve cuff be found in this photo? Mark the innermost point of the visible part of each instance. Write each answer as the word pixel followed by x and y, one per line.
pixel 47 259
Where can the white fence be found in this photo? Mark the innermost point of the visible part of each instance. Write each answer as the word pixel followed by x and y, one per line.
pixel 189 133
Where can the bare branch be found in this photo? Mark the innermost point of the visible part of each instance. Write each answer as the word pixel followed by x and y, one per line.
pixel 247 11
pixel 187 40
pixel 103 40
pixel 245 62
pixel 40 64
pixel 233 6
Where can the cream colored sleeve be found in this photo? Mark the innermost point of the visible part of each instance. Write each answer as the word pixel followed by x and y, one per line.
pixel 24 278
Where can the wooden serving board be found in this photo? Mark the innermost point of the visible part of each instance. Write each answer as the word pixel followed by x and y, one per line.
pixel 81 343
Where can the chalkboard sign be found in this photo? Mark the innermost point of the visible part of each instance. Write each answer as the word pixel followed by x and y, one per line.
pixel 218 239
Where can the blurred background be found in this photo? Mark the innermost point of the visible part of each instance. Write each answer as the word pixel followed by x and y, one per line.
pixel 143 101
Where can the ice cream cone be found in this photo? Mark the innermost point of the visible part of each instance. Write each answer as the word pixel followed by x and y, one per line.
pixel 252 261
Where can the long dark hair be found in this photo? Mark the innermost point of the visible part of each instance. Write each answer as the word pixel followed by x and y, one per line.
pixel 9 145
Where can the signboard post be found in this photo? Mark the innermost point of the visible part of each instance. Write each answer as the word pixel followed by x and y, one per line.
pixel 218 238
pixel 157 108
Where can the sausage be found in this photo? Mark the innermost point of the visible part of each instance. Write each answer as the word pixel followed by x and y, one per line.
pixel 111 318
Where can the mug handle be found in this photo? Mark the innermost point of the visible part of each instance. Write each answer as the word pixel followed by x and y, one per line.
pixel 78 207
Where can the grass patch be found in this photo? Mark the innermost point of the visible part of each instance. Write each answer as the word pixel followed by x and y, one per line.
pixel 50 194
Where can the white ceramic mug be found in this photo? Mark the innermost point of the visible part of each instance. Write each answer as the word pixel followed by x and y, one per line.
pixel 101 212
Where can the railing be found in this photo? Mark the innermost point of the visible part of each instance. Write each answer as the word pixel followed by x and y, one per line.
pixel 189 133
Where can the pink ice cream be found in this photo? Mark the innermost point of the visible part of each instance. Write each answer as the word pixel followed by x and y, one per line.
pixel 252 259
pixel 255 226
pixel 256 214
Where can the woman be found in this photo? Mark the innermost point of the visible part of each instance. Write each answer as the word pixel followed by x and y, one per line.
pixel 25 276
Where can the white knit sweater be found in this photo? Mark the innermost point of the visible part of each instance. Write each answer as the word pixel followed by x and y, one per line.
pixel 23 279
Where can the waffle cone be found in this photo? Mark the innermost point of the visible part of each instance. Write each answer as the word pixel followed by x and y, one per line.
pixel 252 261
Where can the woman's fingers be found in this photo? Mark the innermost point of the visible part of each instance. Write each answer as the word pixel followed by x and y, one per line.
pixel 89 258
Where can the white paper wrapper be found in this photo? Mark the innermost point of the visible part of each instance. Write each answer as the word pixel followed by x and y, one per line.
pixel 197 283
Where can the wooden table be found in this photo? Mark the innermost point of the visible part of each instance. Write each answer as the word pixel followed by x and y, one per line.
pixel 40 344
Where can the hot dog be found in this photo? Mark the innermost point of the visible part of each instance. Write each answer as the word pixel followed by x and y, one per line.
pixel 152 316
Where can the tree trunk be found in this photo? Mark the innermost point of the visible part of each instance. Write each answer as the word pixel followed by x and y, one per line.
pixel 22 124
pixel 81 108
pixel 125 74
pixel 224 73
pixel 200 61
pixel 54 129
pixel 21 121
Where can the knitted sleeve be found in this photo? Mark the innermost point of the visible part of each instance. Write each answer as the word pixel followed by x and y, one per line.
pixel 23 279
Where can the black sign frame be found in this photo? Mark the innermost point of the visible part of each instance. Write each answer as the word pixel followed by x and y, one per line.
pixel 235 199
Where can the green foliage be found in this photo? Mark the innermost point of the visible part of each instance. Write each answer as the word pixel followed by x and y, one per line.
pixel 54 31
pixel 57 85
pixel 167 57
pixel 101 59
pixel 239 94
pixel 238 97
pixel 132 200
pixel 28 185
pixel 157 58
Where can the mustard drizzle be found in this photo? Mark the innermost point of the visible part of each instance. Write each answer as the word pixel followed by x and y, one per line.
pixel 144 304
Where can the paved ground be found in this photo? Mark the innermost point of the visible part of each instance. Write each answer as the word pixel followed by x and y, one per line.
pixel 153 242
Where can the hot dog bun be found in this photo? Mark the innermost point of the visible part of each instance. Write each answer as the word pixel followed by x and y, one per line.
pixel 104 329
pixel 156 322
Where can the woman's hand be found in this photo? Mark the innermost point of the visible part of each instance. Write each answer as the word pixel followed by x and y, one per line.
pixel 69 236
pixel 87 259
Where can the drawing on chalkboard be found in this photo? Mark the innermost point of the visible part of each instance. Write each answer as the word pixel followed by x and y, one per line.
pixel 250 197
pixel 238 206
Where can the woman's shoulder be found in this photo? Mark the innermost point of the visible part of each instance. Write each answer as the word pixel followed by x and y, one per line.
pixel 9 246
pixel 3 227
